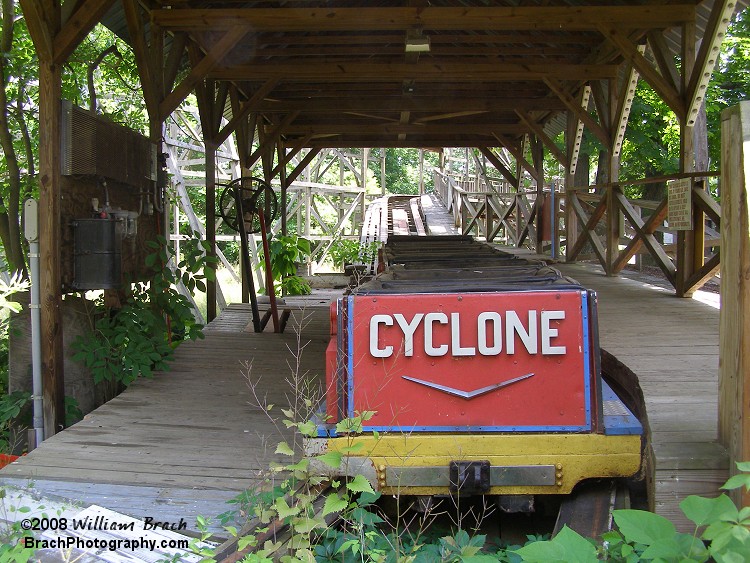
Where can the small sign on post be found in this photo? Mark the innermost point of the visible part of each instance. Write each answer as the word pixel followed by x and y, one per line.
pixel 679 204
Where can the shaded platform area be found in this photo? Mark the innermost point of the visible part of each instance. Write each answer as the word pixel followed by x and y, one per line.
pixel 672 345
pixel 183 443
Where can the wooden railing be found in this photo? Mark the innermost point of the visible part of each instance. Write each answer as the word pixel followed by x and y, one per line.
pixel 600 220
pixel 617 228
pixel 493 216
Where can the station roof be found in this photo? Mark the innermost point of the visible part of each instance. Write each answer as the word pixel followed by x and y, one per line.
pixel 436 73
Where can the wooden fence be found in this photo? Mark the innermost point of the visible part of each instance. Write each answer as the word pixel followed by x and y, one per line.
pixel 599 223
pixel 617 228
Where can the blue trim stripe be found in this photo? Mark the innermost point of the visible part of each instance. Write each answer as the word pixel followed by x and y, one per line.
pixel 406 429
pixel 586 357
pixel 350 350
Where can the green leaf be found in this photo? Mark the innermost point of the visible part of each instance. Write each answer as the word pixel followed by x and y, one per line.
pixel 360 485
pixel 246 541
pixel 331 459
pixel 703 511
pixel 643 527
pixel 736 482
pixel 283 509
pixel 566 547
pixel 284 449
pixel 309 429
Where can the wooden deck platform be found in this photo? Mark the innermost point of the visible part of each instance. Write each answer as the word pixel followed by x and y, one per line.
pixel 185 442
pixel 672 345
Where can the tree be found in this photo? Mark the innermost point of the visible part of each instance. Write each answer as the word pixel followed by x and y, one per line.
pixel 101 63
pixel 17 97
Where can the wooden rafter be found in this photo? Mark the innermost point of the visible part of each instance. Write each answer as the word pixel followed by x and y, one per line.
pixel 625 103
pixel 569 18
pixel 268 140
pixel 538 130
pixel 432 71
pixel 87 15
pixel 497 163
pixel 575 145
pixel 661 86
pixel 307 159
pixel 664 58
pixel 136 29
pixel 393 128
pixel 199 71
pixel 39 25
pixel 574 105
pixel 241 110
pixel 707 57
pixel 518 154
pixel 372 104
pixel 172 64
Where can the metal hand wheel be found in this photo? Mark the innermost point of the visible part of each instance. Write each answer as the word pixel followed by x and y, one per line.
pixel 255 196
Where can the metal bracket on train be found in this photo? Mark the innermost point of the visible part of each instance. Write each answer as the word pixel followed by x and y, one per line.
pixel 469 477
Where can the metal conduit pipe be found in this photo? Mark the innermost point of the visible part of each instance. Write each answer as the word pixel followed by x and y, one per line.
pixel 32 235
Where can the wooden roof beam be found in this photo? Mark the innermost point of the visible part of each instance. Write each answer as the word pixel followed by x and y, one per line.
pixel 578 137
pixel 220 49
pixel 147 73
pixel 405 103
pixel 497 163
pixel 270 138
pixel 625 103
pixel 517 153
pixel 393 128
pixel 575 18
pixel 87 15
pixel 427 71
pixel 664 57
pixel 245 108
pixel 661 86
pixel 538 130
pixel 582 114
pixel 40 28
pixel 707 57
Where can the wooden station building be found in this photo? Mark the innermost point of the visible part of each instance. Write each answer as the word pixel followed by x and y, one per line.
pixel 292 78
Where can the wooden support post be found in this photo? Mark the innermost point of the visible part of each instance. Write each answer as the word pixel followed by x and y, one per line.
pixel 734 317
pixel 571 219
pixel 537 155
pixel 53 378
pixel 421 171
pixel 382 171
pixel 282 178
pixel 210 224
pixel 685 259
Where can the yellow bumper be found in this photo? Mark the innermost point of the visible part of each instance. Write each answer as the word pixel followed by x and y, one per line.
pixel 520 464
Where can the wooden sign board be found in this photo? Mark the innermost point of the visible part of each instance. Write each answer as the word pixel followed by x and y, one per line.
pixel 679 204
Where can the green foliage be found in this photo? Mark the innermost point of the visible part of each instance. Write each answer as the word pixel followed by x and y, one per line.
pixel 140 337
pixel 402 170
pixel 11 404
pixel 722 534
pixel 286 251
pixel 73 412
pixel 346 251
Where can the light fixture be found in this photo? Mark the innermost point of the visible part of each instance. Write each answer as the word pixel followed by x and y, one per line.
pixel 417 43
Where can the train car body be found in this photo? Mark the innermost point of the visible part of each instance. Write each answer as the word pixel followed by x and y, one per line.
pixel 471 371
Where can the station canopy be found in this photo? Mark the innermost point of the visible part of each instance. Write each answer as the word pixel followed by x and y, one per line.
pixel 417 73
